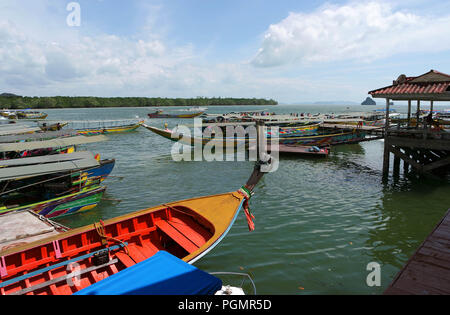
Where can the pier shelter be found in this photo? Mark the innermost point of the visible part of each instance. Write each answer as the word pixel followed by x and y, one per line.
pixel 419 140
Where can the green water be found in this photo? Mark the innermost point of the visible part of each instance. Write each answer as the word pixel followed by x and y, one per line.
pixel 319 222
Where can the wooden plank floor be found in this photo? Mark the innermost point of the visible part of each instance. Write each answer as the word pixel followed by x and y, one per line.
pixel 428 271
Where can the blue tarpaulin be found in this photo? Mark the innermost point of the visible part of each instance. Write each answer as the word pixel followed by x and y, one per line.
pixel 161 274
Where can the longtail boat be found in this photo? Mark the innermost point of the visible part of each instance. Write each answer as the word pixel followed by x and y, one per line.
pixel 22 114
pixel 288 130
pixel 52 127
pixel 53 185
pixel 294 131
pixel 79 201
pixel 159 114
pixel 109 129
pixel 321 140
pixel 31 115
pixel 187 229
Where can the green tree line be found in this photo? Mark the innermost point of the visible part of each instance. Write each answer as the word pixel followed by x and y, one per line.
pixel 24 102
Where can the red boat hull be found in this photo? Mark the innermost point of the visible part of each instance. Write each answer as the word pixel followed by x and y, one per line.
pixel 76 259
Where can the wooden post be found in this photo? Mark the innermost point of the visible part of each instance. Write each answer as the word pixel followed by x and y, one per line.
pixel 396 169
pixel 387 115
pixel 417 114
pixel 409 113
pixel 386 142
pixel 431 106
pixel 405 167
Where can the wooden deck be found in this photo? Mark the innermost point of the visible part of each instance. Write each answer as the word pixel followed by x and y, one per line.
pixel 428 271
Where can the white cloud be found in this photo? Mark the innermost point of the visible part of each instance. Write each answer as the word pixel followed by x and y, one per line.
pixel 356 31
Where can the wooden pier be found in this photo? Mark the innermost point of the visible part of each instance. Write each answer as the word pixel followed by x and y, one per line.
pixel 428 271
pixel 418 142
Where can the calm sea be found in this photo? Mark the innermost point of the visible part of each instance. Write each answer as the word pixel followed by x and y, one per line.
pixel 319 222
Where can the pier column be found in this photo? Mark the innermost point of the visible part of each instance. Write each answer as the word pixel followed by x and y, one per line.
pixel 396 169
pixel 405 167
pixel 409 113
pixel 417 114
pixel 386 142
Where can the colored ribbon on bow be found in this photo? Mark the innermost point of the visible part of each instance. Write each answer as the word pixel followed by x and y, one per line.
pixel 248 215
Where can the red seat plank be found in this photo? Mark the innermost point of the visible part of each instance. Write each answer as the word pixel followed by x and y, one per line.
pixel 125 259
pixel 187 226
pixel 177 236
pixel 134 251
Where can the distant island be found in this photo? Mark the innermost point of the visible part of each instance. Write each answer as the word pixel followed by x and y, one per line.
pixel 369 101
pixel 11 101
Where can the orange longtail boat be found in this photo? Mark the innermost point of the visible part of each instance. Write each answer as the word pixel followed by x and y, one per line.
pixel 73 260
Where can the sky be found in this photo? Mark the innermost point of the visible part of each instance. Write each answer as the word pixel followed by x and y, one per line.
pixel 292 51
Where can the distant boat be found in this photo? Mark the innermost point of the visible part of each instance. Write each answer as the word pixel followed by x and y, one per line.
pixel 109 129
pixel 22 114
pixel 197 109
pixel 159 114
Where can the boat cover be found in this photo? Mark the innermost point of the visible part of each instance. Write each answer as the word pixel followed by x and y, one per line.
pixel 55 143
pixel 18 130
pixel 38 136
pixel 161 274
pixel 49 164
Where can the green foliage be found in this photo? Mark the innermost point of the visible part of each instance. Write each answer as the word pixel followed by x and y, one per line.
pixel 19 102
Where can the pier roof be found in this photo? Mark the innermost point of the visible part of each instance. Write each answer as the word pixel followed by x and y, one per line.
pixel 433 86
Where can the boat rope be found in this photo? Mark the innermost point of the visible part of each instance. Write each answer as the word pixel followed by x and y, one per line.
pixel 100 228
pixel 248 215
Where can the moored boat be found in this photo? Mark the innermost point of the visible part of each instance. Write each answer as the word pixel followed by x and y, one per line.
pixel 187 229
pixel 31 115
pixel 79 201
pixel 159 114
pixel 327 139
pixel 109 129
pixel 52 127
pixel 53 185
pixel 22 114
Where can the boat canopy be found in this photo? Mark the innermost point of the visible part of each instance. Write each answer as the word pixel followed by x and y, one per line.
pixel 38 136
pixel 173 277
pixel 43 165
pixel 54 158
pixel 55 143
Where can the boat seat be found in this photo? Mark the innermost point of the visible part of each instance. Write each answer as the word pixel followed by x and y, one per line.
pixel 136 253
pixel 177 236
pixel 125 259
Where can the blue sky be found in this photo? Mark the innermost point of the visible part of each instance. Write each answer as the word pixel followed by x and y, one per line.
pixel 288 50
